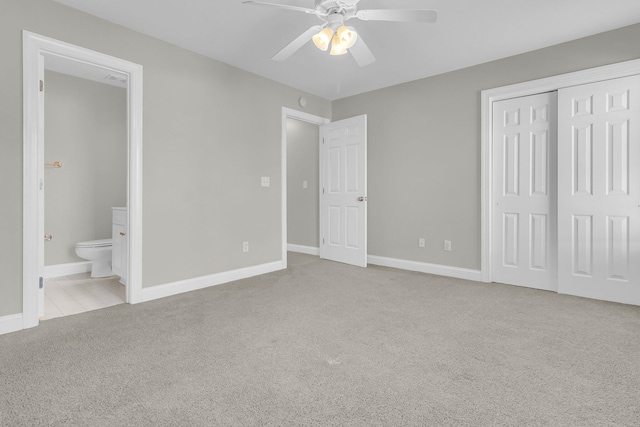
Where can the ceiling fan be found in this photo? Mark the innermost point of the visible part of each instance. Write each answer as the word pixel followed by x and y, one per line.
pixel 334 32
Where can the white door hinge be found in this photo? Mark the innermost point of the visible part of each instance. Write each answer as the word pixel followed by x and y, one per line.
pixel 41 86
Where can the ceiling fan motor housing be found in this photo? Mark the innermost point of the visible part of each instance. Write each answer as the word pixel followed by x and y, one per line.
pixel 331 7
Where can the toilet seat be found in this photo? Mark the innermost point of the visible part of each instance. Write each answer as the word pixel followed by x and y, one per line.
pixel 101 243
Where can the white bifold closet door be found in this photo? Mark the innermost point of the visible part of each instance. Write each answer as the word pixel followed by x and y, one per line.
pixel 599 190
pixel 523 243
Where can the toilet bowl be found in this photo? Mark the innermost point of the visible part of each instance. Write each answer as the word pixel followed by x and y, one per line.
pixel 99 253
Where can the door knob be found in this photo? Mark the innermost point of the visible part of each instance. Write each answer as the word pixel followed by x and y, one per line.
pixel 48 237
pixel 122 233
pixel 362 199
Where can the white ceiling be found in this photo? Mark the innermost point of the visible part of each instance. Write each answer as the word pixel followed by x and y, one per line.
pixel 468 32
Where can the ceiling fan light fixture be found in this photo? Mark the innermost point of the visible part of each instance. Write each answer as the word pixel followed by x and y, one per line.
pixel 322 39
pixel 347 36
pixel 337 48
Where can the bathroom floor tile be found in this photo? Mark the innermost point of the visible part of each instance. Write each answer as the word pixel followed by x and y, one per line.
pixel 51 311
pixel 85 298
pixel 61 298
pixel 79 293
pixel 103 293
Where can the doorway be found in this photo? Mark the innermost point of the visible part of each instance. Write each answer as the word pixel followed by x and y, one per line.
pixel 307 123
pixel 85 173
pixel 343 188
pixel 303 183
pixel 35 48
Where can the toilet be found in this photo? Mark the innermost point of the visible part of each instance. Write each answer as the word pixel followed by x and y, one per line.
pixel 99 253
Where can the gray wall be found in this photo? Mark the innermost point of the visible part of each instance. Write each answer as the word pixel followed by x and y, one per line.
pixel 424 147
pixel 210 132
pixel 203 162
pixel 303 205
pixel 85 129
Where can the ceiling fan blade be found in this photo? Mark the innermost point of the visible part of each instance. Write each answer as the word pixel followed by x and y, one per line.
pixel 399 15
pixel 361 53
pixel 281 6
pixel 300 41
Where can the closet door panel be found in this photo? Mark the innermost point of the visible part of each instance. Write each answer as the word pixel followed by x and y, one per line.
pixel 599 190
pixel 524 165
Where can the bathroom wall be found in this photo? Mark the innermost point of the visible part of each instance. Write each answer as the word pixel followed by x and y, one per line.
pixel 302 165
pixel 85 129
pixel 210 132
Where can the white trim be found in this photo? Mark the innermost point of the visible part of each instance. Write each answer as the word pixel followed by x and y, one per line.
pixel 175 288
pixel 288 113
pixel 423 267
pixel 310 250
pixel 34 46
pixel 60 270
pixel 11 323
pixel 607 72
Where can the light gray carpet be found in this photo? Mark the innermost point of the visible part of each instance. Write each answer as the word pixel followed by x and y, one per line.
pixel 328 344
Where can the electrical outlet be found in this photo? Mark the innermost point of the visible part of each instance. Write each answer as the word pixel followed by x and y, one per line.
pixel 305 184
pixel 447 245
pixel 245 247
pixel 265 181
pixel 421 242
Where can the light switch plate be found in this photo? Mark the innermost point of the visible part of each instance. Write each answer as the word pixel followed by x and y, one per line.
pixel 305 184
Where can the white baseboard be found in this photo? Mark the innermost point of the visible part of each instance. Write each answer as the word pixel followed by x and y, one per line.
pixel 423 267
pixel 169 289
pixel 11 323
pixel 310 250
pixel 66 269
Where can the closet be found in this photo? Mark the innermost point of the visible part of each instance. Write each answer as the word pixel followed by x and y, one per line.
pixel 566 191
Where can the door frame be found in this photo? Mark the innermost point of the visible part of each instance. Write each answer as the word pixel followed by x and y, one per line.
pixel 288 113
pixel 592 75
pixel 34 45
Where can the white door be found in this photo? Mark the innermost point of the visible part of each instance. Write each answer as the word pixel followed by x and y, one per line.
pixel 599 190
pixel 343 198
pixel 523 242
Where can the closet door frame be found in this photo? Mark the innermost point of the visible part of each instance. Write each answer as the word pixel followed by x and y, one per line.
pixel 488 97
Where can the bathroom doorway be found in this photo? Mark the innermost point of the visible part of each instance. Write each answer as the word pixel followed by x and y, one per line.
pixel 48 59
pixel 85 176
